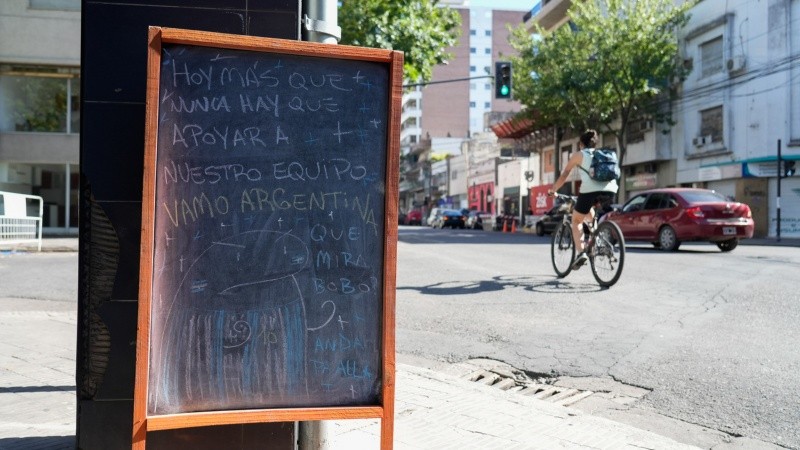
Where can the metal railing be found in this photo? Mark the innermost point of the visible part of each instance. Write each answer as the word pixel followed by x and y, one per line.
pixel 16 225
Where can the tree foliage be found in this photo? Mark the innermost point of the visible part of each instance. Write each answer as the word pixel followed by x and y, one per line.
pixel 610 65
pixel 419 28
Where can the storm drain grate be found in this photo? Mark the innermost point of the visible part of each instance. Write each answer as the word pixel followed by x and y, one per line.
pixel 508 381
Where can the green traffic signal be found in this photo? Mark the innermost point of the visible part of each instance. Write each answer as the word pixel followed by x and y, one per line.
pixel 502 79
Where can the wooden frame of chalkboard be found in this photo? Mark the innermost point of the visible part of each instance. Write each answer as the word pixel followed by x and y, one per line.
pixel 269 233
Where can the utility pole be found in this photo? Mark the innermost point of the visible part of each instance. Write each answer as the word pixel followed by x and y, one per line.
pixel 319 24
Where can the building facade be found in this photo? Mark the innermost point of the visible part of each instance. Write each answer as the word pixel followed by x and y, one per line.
pixel 739 104
pixel 40 88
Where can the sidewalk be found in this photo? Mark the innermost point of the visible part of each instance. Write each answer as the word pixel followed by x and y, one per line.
pixel 438 411
pixel 432 410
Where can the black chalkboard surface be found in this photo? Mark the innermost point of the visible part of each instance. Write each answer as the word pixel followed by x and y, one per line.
pixel 270 205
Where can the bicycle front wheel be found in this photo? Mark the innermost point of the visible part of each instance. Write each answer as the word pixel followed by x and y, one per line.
pixel 608 255
pixel 562 250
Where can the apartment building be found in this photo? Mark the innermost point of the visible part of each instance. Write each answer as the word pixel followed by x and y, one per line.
pixel 40 105
pixel 439 118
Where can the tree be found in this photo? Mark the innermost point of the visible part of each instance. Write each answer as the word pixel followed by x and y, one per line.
pixel 615 62
pixel 419 28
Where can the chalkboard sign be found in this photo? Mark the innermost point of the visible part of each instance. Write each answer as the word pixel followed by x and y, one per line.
pixel 269 232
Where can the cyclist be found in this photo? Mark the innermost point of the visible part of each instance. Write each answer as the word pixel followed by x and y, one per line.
pixel 591 192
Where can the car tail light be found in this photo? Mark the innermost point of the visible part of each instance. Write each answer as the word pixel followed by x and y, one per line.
pixel 747 213
pixel 695 212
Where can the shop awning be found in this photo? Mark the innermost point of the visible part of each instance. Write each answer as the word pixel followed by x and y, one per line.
pixel 514 128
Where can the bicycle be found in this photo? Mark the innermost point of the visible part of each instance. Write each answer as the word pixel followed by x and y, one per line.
pixel 603 242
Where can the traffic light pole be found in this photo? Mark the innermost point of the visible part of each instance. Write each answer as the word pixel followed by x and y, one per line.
pixel 778 203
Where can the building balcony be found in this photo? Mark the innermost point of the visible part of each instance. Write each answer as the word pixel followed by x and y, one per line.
pixel 411 186
pixel 550 14
pixel 406 133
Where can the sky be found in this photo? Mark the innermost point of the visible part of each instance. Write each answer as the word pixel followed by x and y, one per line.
pixel 521 5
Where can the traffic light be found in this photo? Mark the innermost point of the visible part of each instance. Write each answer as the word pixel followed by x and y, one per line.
pixel 502 79
pixel 788 168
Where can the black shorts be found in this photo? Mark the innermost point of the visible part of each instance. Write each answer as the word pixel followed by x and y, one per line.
pixel 589 199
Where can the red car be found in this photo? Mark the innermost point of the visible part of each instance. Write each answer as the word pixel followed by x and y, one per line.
pixel 414 217
pixel 667 217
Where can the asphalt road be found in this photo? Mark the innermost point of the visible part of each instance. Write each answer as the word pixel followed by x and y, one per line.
pixel 713 336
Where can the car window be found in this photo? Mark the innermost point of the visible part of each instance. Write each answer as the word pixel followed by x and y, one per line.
pixel 635 204
pixel 672 202
pixel 702 197
pixel 657 201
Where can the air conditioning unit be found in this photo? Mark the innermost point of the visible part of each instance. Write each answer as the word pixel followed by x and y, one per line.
pixel 735 64
pixel 700 141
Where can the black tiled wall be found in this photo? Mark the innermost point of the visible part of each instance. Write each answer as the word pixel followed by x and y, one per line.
pixel 113 77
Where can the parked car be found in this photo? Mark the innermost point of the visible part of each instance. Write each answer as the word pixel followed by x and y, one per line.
pixel 551 219
pixel 450 218
pixel 667 217
pixel 414 217
pixel 432 216
pixel 474 219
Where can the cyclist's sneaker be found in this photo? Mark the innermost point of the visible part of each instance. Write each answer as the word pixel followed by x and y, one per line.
pixel 580 261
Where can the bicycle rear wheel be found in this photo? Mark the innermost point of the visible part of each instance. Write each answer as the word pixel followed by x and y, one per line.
pixel 562 250
pixel 608 255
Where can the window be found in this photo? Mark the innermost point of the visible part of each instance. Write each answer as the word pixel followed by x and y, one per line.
pixel 472 68
pixel 488 32
pixel 37 99
pixel 487 86
pixel 636 204
pixel 473 50
pixel 472 86
pixel 487 69
pixel 454 174
pixel 487 105
pixel 473 32
pixel 711 123
pixel 711 55
pixel 472 104
pixel 487 51
pixel 659 201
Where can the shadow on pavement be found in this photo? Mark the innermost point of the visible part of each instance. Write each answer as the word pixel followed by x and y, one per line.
pixel 28 389
pixel 549 284
pixel 39 443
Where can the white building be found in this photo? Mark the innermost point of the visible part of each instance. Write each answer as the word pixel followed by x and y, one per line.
pixel 741 98
pixel 40 45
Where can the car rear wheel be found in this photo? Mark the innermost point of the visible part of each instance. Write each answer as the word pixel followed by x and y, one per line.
pixel 728 245
pixel 539 229
pixel 667 239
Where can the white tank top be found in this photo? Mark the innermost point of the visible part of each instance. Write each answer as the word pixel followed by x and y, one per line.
pixel 590 185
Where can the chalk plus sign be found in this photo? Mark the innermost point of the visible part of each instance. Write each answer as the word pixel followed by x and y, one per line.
pixel 339 131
